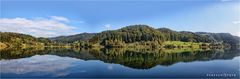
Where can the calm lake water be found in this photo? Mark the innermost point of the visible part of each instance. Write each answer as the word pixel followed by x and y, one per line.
pixel 123 63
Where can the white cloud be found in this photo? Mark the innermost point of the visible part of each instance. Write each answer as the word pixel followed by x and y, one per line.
pixel 108 26
pixel 110 67
pixel 236 22
pixel 45 64
pixel 43 27
pixel 59 18
pixel 79 21
pixel 238 34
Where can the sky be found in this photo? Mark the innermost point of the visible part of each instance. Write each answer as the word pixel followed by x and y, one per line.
pixel 50 18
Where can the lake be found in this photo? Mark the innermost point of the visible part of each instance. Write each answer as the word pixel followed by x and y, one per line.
pixel 119 63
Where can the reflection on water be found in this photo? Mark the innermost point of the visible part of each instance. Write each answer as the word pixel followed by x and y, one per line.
pixel 37 63
pixel 57 62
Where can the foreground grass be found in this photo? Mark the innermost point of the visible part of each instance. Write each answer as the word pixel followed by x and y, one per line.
pixel 166 44
pixel 180 44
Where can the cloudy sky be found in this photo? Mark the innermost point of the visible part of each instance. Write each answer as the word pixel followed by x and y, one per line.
pixel 49 18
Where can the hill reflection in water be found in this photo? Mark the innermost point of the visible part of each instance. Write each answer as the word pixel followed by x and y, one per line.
pixel 133 58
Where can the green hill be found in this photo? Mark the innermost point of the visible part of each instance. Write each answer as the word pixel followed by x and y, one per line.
pixel 15 40
pixel 130 36
pixel 73 38
pixel 145 35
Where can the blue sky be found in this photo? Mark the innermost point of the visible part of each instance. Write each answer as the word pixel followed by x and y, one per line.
pixel 48 18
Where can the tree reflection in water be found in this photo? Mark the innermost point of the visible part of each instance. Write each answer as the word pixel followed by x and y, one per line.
pixel 133 58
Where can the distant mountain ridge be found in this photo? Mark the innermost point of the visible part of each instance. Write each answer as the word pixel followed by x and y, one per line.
pixel 73 38
pixel 222 37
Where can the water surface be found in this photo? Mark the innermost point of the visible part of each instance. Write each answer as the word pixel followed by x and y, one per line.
pixel 124 63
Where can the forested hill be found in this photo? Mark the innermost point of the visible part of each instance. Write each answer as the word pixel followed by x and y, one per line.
pixel 84 37
pixel 222 37
pixel 141 33
pixel 14 40
pixel 129 35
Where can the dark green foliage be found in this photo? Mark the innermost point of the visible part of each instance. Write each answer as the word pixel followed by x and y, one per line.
pixel 18 40
pixel 127 36
pixel 139 33
pixel 144 33
pixel 184 36
pixel 73 38
pixel 46 41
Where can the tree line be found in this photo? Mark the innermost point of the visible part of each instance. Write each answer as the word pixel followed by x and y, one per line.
pixel 132 35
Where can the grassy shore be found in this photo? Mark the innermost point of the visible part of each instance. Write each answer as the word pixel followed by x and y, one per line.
pixel 2 45
pixel 147 44
pixel 166 44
